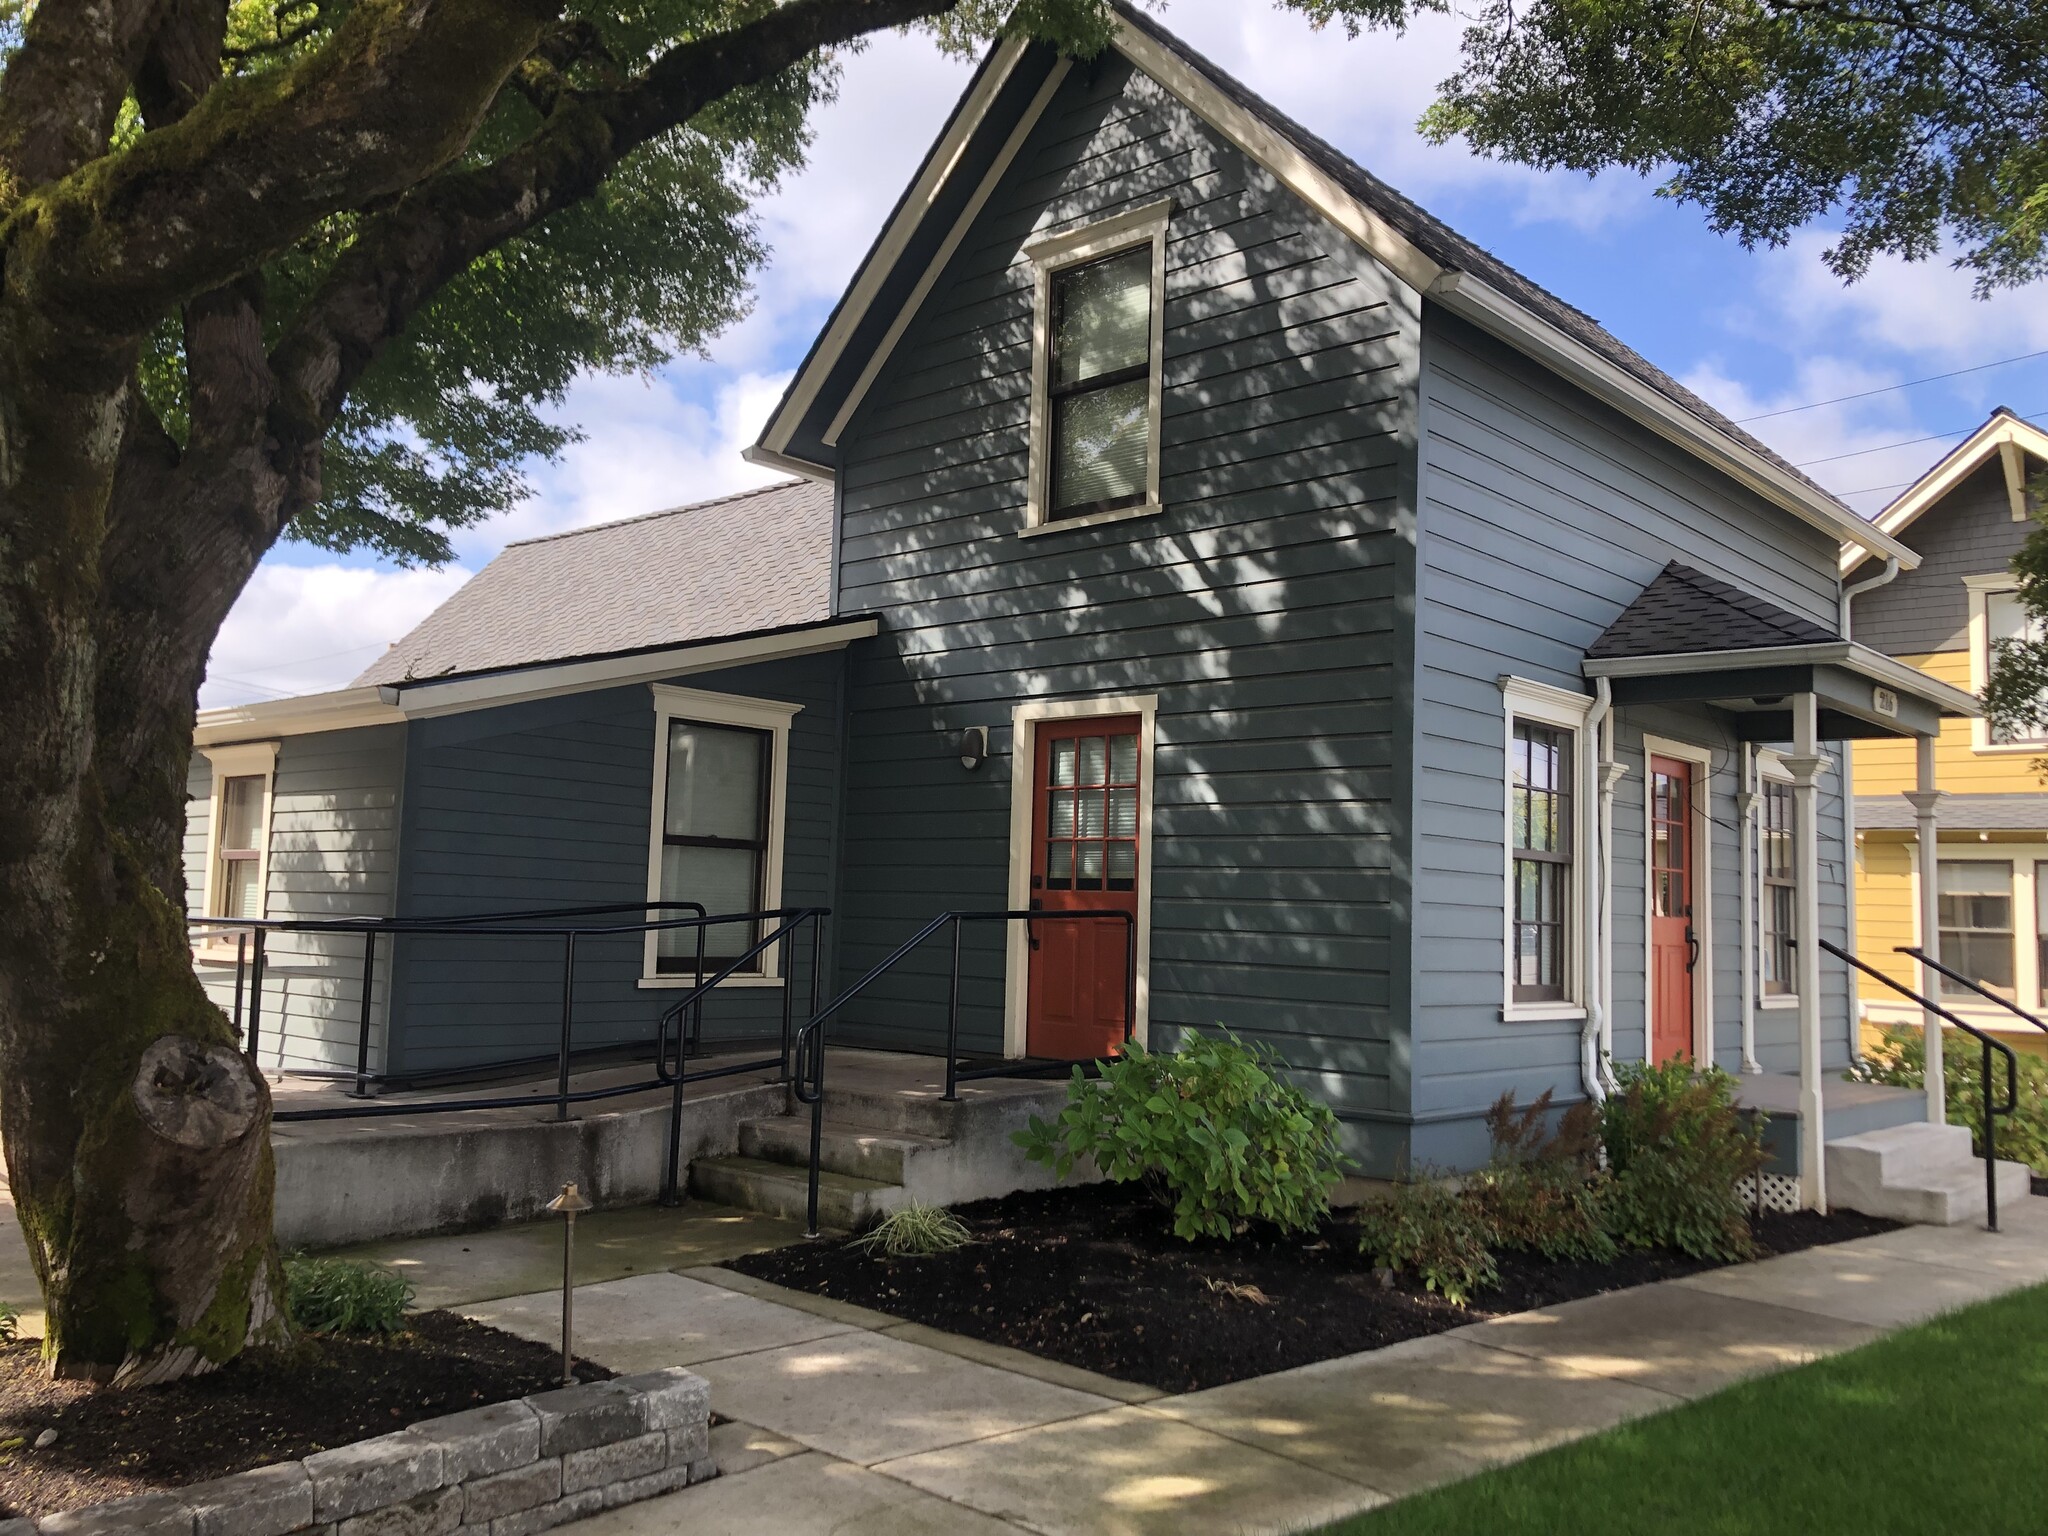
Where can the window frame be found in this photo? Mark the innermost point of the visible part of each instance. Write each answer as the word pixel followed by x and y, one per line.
pixel 244 760
pixel 1981 589
pixel 772 718
pixel 1773 776
pixel 1051 255
pixel 1540 704
pixel 2012 930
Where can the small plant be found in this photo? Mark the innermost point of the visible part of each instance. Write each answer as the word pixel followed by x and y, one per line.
pixel 915 1232
pixel 1210 1128
pixel 1541 1189
pixel 1681 1157
pixel 10 1320
pixel 1899 1060
pixel 1439 1234
pixel 344 1296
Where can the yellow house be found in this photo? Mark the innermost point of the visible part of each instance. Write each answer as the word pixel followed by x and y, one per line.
pixel 1966 517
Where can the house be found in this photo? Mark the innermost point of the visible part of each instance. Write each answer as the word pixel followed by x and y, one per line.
pixel 1966 518
pixel 1192 530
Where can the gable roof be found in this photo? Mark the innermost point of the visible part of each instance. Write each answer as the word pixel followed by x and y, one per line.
pixel 2005 433
pixel 1001 105
pixel 1685 612
pixel 740 565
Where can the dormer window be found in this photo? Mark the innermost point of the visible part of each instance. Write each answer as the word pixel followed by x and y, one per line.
pixel 1095 371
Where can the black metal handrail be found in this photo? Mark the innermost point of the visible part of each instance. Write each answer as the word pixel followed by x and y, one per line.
pixel 251 934
pixel 1992 1111
pixel 807 1082
pixel 1989 996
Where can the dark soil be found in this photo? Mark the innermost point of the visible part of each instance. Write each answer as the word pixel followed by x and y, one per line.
pixel 1093 1276
pixel 267 1406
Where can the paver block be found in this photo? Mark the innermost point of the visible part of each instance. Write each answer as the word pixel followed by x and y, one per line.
pixel 372 1473
pixel 527 1487
pixel 429 1514
pixel 687 1445
pixel 546 1517
pixel 482 1441
pixel 703 1471
pixel 614 1463
pixel 594 1413
pixel 147 1514
pixel 266 1501
pixel 652 1486
pixel 673 1399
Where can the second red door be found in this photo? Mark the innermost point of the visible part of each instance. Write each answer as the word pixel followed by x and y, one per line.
pixel 1673 940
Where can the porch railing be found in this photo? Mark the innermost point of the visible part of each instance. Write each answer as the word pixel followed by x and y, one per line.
pixel 808 1081
pixel 1992 1109
pixel 681 1020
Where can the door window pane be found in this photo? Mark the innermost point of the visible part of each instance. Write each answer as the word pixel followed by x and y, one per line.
pixel 1974 904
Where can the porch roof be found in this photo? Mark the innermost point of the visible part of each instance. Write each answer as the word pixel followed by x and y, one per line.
pixel 1692 638
pixel 2023 812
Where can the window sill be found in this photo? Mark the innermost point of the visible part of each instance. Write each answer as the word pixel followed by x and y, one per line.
pixel 677 983
pixel 1092 520
pixel 1542 1013
pixel 1777 1002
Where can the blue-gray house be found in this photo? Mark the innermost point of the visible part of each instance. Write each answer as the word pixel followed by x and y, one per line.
pixel 1187 525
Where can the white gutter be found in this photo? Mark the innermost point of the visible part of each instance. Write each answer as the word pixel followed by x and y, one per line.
pixel 345 709
pixel 1596 1036
pixel 1849 595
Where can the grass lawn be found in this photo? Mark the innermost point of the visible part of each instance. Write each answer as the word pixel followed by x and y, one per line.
pixel 1943 1427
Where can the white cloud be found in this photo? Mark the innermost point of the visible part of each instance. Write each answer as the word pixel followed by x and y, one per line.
pixel 307 628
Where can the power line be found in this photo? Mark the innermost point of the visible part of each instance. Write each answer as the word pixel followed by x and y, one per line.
pixel 1932 437
pixel 1932 378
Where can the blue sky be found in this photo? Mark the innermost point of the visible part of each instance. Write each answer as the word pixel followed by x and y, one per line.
pixel 1754 332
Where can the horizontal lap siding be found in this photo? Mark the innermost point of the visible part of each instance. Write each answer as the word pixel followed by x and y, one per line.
pixel 548 804
pixel 333 854
pixel 1543 515
pixel 1264 607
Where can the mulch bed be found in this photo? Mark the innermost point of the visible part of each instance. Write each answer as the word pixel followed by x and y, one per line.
pixel 270 1405
pixel 1094 1277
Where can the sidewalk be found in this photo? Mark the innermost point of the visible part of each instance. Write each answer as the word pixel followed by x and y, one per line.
pixel 851 1422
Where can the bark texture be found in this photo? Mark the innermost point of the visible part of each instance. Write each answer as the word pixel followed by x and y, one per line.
pixel 136 1135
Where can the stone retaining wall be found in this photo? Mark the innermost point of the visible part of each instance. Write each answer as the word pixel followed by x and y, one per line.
pixel 510 1469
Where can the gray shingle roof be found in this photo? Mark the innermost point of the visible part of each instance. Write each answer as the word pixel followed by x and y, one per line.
pixel 1684 612
pixel 1957 813
pixel 1447 248
pixel 760 560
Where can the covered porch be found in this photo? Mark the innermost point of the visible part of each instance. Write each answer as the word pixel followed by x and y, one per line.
pixel 1784 688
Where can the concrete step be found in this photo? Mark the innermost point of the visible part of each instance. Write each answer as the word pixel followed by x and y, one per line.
pixel 862 1151
pixel 1944 1199
pixel 845 1202
pixel 1899 1154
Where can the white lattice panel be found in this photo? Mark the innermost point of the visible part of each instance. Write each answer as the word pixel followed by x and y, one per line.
pixel 1780 1192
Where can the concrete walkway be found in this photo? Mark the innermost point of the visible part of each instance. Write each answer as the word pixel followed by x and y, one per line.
pixel 858 1424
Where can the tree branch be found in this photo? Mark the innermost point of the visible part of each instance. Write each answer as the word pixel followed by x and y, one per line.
pixel 64 87
pixel 403 256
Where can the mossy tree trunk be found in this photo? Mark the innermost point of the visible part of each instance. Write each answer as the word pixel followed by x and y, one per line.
pixel 136 1136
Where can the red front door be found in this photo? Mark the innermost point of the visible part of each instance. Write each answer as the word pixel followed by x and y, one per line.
pixel 1085 822
pixel 1672 948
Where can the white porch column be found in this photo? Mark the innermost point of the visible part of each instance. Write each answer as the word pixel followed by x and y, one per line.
pixel 1804 765
pixel 1927 852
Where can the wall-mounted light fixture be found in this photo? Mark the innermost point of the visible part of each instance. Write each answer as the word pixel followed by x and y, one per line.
pixel 973 747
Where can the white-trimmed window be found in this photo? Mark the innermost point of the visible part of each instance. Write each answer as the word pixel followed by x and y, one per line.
pixel 1777 885
pixel 1546 783
pixel 1098 326
pixel 238 830
pixel 721 790
pixel 1974 908
pixel 1996 614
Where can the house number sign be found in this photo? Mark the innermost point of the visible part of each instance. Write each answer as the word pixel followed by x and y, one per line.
pixel 1885 702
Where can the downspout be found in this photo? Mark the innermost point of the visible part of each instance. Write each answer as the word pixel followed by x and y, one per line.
pixel 1848 771
pixel 1594 906
pixel 1746 808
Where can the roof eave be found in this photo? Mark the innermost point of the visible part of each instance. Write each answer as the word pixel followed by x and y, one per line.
pixel 1860 659
pixel 1955 466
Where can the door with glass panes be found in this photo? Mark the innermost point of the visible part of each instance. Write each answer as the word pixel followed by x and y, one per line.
pixel 1084 857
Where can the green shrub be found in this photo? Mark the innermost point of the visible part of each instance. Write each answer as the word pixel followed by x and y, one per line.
pixel 1437 1233
pixel 344 1296
pixel 1541 1190
pixel 1209 1128
pixel 915 1232
pixel 1899 1060
pixel 1680 1158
